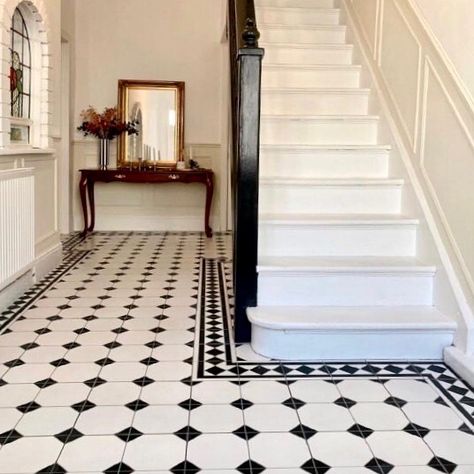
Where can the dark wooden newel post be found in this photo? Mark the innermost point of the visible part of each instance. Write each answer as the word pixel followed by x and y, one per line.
pixel 249 58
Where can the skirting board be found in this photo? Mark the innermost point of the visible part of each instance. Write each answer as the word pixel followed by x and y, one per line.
pixel 48 261
pixel 461 363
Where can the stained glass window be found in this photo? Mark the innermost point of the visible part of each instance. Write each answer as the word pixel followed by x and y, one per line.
pixel 20 68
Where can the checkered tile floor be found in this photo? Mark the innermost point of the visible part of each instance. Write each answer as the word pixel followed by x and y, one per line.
pixel 122 361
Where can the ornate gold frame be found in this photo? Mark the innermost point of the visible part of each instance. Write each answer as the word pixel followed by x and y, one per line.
pixel 123 86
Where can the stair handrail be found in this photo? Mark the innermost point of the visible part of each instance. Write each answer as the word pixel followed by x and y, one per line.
pixel 246 65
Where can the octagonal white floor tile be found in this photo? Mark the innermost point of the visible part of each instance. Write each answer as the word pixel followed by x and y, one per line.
pixel 28 373
pixel 217 451
pixel 87 353
pixel 141 324
pixel 177 324
pixel 14 339
pixel 363 390
pixel 400 448
pixel 169 371
pixel 314 391
pixel 9 417
pixel 453 445
pixel 155 452
pixel 56 338
pixel 104 420
pixel 279 450
pixel 340 449
pixel 172 352
pixel 325 417
pixel 76 372
pixel 40 312
pixel 433 416
pixel 91 453
pixel 175 337
pixel 161 419
pixel 379 416
pixel 106 324
pixel 41 451
pixel 145 312
pixel 136 337
pixel 165 393
pixel 123 371
pixel 411 390
pixel 216 418
pixel 114 393
pixel 265 417
pixel 43 354
pixel 47 421
pixel 96 338
pixel 216 392
pixel 265 391
pixel 28 325
pixel 130 353
pixel 10 353
pixel 62 394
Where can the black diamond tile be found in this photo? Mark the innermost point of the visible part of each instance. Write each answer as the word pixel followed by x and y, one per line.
pixel 14 363
pixel 250 466
pixel 345 402
pixel 28 407
pixel 360 430
pixel 52 469
pixel 59 362
pixel 129 434
pixel 190 404
pixel 83 406
pixel 396 402
pixel 69 435
pixel 309 466
pixel 137 405
pixel 103 362
pixel 95 382
pixel 71 345
pixel 9 437
pixel 143 381
pixel 442 465
pixel 241 403
pixel 45 383
pixel 120 468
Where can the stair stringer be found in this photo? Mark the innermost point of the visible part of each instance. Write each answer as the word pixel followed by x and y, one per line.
pixel 452 294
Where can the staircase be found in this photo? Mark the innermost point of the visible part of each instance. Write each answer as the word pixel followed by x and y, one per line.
pixel 339 276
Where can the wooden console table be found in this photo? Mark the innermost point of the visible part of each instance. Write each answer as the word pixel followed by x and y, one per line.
pixel 90 176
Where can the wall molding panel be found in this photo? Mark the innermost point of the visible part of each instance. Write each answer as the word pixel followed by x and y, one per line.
pixel 430 121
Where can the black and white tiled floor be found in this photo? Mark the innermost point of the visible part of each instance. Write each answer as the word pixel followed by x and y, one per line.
pixel 122 361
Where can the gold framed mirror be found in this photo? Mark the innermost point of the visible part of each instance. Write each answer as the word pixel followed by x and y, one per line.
pixel 158 109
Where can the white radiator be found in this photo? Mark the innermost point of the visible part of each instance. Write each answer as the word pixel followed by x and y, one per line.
pixel 17 232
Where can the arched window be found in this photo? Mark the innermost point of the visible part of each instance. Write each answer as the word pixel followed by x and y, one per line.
pixel 20 80
pixel 20 68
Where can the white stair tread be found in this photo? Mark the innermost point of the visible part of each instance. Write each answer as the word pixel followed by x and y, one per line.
pixel 338 219
pixel 334 181
pixel 354 67
pixel 323 118
pixel 296 8
pixel 350 318
pixel 344 46
pixel 327 147
pixel 343 264
pixel 313 26
pixel 322 90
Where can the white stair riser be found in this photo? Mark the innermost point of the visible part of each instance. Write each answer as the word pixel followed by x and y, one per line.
pixel 289 198
pixel 330 164
pixel 300 77
pixel 318 132
pixel 303 36
pixel 314 103
pixel 307 56
pixel 344 289
pixel 345 345
pixel 342 241
pixel 296 3
pixel 297 16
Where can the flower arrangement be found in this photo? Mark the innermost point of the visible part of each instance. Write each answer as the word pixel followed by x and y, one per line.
pixel 105 125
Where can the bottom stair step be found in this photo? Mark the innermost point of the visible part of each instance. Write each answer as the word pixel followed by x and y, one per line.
pixel 350 333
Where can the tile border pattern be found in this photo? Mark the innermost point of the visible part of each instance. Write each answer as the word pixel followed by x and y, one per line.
pixel 216 358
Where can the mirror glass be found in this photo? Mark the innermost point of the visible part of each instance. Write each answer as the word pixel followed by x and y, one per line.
pixel 157 108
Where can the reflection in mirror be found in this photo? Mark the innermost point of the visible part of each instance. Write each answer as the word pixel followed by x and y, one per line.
pixel 157 107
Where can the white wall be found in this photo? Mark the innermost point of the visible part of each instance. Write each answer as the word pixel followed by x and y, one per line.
pixel 43 161
pixel 433 122
pixel 452 22
pixel 155 40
